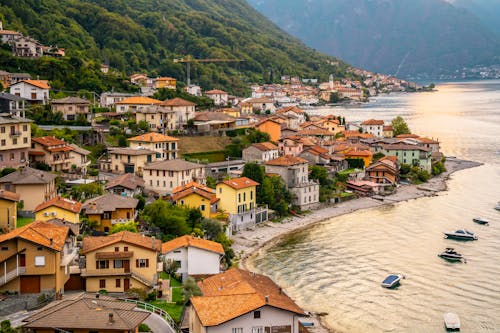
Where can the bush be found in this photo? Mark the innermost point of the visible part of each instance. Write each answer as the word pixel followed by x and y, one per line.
pixel 103 292
pixel 423 175
pixel 151 296
pixel 144 328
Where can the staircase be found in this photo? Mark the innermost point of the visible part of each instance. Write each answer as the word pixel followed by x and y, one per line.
pixel 144 280
pixel 5 278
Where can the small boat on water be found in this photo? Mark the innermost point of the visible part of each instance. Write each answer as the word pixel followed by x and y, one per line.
pixel 451 255
pixel 392 280
pixel 461 234
pixel 451 321
pixel 480 220
pixel 497 207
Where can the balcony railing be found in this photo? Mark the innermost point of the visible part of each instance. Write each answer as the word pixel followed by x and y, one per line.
pixel 104 272
pixel 15 134
pixel 9 276
pixel 120 221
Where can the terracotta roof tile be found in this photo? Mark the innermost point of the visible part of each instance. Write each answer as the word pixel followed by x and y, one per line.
pixel 215 92
pixel 287 160
pixel 42 84
pixel 239 183
pixel 235 292
pixel 193 187
pixel 94 243
pixel 406 136
pixel 265 146
pixel 373 122
pixel 109 203
pixel 295 109
pixel 27 175
pixel 128 180
pixel 42 233
pixel 177 102
pixel 7 195
pixel 152 137
pixel 188 240
pixel 140 100
pixel 63 203
pixel 49 141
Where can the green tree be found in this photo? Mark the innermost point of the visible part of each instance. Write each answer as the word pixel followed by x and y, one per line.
pixel 211 228
pixel 211 182
pixel 122 141
pixel 190 288
pixel 143 126
pixel 320 174
pixel 170 267
pixel 170 219
pixel 141 203
pixel 129 226
pixel 399 126
pixel 6 171
pixel 86 191
pixel 5 327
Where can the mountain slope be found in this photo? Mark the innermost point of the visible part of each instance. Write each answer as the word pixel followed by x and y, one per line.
pixel 390 36
pixel 488 11
pixel 146 35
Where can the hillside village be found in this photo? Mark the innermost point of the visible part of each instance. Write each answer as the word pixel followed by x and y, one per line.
pixel 101 195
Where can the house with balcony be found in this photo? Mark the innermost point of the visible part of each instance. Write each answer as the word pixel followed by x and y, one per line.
pixel 12 104
pixel 128 160
pixel 53 152
pixel 409 154
pixel 195 195
pixel 165 83
pixel 384 171
pixel 34 91
pixel 110 209
pixel 120 261
pixel 166 147
pixel 237 196
pixel 110 98
pixel 158 117
pixel 162 177
pixel 194 256
pixel 36 258
pixel 220 97
pixel 72 107
pixel 127 184
pixel 184 110
pixel 295 173
pixel 79 159
pixel 135 103
pixel 59 208
pixel 33 186
pixel 260 152
pixel 8 210
pixel 15 141
pixel 241 301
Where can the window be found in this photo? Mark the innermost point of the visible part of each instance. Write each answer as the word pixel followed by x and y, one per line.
pixel 239 197
pixel 101 264
pixel 259 329
pixel 125 248
pixel 256 314
pixel 25 128
pixel 40 261
pixel 251 195
pixel 25 140
pixel 117 283
pixel 244 196
pixel 237 330
pixel 3 142
pixel 202 208
pixel 5 248
pixel 118 263
pixel 177 251
pixel 117 249
pixel 2 129
pixel 14 141
pixel 142 263
pixel 102 283
pixel 40 248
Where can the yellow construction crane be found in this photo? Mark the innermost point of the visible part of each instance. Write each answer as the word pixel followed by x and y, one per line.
pixel 188 60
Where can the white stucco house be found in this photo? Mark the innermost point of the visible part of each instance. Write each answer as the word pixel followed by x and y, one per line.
pixel 34 91
pixel 195 256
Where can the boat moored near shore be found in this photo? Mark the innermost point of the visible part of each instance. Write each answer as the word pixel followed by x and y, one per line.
pixel 392 280
pixel 451 255
pixel 461 234
pixel 451 321
pixel 480 220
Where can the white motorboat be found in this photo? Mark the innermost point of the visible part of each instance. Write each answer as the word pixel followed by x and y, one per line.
pixel 497 207
pixel 480 220
pixel 451 321
pixel 392 280
pixel 451 255
pixel 461 234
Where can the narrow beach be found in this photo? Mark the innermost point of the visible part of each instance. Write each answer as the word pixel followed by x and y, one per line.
pixel 248 242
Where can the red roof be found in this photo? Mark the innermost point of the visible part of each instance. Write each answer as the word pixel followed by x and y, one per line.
pixel 287 160
pixel 49 141
pixel 177 102
pixel 63 203
pixel 372 122
pixel 215 92
pixel 186 241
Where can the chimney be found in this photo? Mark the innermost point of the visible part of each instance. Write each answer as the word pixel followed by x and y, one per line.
pixel 111 320
pixel 97 295
pixel 51 242
pixel 267 298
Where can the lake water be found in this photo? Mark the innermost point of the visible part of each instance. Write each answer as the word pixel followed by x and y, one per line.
pixel 336 266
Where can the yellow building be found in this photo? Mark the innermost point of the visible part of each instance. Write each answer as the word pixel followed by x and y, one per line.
pixel 230 112
pixel 110 209
pixel 237 195
pixel 159 118
pixel 166 147
pixel 196 195
pixel 36 258
pixel 365 155
pixel 120 261
pixel 59 208
pixel 33 186
pixel 8 210
pixel 165 82
pixel 15 140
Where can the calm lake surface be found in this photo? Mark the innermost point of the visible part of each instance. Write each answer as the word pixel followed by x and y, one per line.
pixel 336 266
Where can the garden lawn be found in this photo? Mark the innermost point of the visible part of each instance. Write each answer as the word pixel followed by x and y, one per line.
pixel 22 221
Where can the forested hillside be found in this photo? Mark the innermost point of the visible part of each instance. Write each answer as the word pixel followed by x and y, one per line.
pixel 146 35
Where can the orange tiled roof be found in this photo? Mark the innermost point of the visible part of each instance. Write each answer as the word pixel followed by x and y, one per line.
pixel 373 122
pixel 152 137
pixel 42 84
pixel 63 203
pixel 178 102
pixel 186 241
pixel 265 146
pixel 7 195
pixel 359 153
pixel 193 187
pixel 215 92
pixel 287 160
pixel 387 128
pixel 236 292
pixel 407 136
pixel 239 183
pixel 94 243
pixel 390 158
pixel 48 141
pixel 140 100
pixel 427 140
pixel 295 109
pixel 42 233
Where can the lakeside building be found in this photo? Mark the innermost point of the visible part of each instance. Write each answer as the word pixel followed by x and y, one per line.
pixel 110 209
pixel 15 141
pixel 195 195
pixel 166 147
pixel 260 152
pixel 59 208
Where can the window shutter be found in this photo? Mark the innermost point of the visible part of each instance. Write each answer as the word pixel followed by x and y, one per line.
pixel 147 262
pixel 136 262
pixel 97 264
